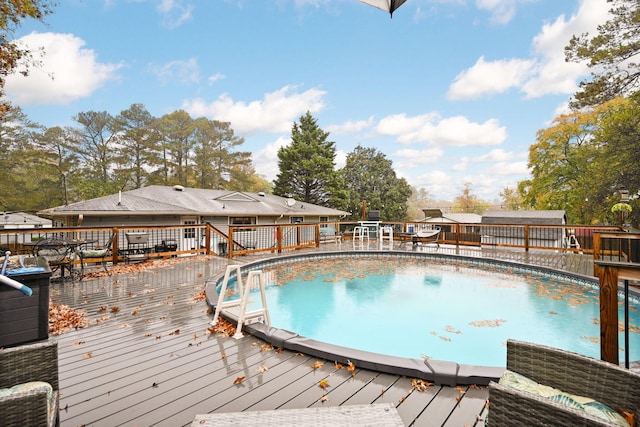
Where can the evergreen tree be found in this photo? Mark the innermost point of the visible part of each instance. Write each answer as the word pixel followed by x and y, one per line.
pixel 369 176
pixel 307 166
pixel 610 54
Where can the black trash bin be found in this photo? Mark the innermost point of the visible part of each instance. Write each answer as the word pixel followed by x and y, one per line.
pixel 222 248
pixel 25 318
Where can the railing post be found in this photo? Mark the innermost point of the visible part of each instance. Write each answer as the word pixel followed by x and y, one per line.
pixel 114 246
pixel 231 245
pixel 279 238
pixel 526 238
pixel 207 236
pixel 596 253
pixel 457 237
pixel 608 279
pixel 318 235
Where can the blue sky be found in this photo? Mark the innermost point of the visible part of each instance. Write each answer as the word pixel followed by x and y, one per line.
pixel 452 91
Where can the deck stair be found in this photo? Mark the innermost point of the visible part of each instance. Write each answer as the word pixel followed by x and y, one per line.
pixel 236 308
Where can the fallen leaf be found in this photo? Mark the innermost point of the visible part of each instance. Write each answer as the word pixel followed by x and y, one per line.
pixel 339 365
pixel 324 398
pixel 351 368
pixel 420 385
pixel 115 309
pixel 317 364
pixel 263 368
pixel 88 355
pixel 324 383
pixel 238 380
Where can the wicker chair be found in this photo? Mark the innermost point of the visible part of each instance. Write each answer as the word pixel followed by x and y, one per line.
pixel 31 362
pixel 610 384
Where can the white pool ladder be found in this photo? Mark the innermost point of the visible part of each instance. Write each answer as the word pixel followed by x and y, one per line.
pixel 246 317
pixel 235 302
pixel 238 306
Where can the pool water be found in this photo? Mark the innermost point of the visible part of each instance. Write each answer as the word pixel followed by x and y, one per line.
pixel 452 311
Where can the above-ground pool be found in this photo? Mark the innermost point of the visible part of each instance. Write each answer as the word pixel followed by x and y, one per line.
pixel 453 309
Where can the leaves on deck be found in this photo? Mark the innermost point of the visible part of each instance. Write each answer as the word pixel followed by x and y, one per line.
pixel 323 384
pixel 62 318
pixel 420 385
pixel 222 327
pixel 238 380
pixel 351 368
pixel 317 364
pixel 263 368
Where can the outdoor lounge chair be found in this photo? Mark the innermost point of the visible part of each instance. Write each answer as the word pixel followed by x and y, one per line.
pixel 573 373
pixel 100 253
pixel 24 364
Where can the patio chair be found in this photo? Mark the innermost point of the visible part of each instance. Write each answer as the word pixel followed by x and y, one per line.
pixel 19 366
pixel 569 372
pixel 101 253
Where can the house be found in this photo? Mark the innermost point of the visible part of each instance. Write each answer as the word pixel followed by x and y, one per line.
pixel 436 216
pixel 178 205
pixel 14 220
pixel 20 220
pixel 538 236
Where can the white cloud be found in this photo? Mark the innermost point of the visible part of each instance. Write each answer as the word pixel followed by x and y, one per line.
pixel 502 11
pixel 75 70
pixel 265 161
pixel 185 72
pixel 555 74
pixel 462 165
pixel 490 77
pixel 175 12
pixel 546 72
pixel 275 113
pixel 350 127
pixel 457 131
pixel 412 158
pixel 215 77
pixel 496 155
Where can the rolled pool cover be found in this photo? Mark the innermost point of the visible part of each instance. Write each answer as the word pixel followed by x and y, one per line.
pixel 16 285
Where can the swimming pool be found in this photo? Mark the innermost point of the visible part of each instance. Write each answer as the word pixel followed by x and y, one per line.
pixel 439 307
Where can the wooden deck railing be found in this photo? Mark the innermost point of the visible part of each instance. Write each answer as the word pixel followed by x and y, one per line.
pixel 236 240
pixel 616 258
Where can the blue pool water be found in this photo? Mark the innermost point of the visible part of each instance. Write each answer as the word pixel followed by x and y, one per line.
pixel 446 311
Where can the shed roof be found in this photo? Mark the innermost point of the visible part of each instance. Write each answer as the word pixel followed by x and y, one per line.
pixel 541 217
pixel 178 200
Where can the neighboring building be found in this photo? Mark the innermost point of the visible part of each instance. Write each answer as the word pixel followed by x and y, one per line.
pixel 436 216
pixel 13 220
pixel 20 220
pixel 538 236
pixel 163 205
pixel 177 205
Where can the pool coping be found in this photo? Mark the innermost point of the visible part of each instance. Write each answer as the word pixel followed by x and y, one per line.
pixel 439 372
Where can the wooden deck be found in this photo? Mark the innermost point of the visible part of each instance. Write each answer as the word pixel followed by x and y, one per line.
pixel 148 359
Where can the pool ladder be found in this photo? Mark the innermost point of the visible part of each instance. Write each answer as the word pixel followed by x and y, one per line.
pixel 237 307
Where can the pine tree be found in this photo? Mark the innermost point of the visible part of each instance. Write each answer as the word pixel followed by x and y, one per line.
pixel 307 165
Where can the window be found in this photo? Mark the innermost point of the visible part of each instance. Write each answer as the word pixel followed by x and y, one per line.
pixel 242 220
pixel 297 219
pixel 189 233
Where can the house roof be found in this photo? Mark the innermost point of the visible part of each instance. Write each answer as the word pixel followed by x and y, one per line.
pixel 23 219
pixel 541 217
pixel 178 200
pixel 461 218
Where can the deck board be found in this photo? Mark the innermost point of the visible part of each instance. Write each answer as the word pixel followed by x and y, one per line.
pixel 153 361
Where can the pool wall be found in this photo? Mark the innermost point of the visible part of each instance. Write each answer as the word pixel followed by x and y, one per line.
pixel 437 371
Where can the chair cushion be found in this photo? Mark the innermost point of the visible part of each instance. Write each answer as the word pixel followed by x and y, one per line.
pixel 580 403
pixel 93 253
pixel 33 386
